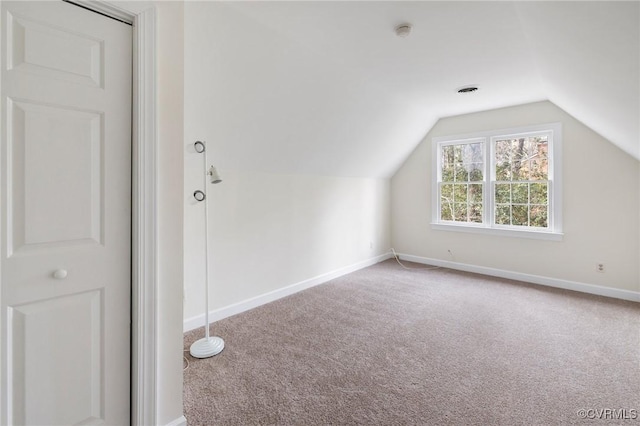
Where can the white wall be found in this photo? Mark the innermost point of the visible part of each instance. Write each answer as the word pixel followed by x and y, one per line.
pixel 601 203
pixel 269 231
pixel 170 51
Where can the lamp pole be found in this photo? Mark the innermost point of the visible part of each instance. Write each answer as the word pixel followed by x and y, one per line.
pixel 208 346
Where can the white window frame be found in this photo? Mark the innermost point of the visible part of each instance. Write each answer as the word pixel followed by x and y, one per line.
pixel 554 230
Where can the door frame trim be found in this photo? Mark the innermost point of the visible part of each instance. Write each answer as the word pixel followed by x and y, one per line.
pixel 144 309
pixel 144 208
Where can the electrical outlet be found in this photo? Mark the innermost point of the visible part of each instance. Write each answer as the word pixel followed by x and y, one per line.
pixel 600 267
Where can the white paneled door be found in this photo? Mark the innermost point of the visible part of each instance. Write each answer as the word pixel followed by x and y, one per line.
pixel 66 211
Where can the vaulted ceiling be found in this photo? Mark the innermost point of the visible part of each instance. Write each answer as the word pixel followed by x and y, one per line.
pixel 328 88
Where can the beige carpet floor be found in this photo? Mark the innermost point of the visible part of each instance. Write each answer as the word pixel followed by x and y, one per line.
pixel 388 346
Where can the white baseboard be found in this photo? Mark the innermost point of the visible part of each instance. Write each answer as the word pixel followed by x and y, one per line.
pixel 180 421
pixel 616 293
pixel 227 311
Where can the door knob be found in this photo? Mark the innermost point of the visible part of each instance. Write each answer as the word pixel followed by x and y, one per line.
pixel 60 274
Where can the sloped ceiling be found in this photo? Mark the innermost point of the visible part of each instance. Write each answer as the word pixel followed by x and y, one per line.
pixel 328 88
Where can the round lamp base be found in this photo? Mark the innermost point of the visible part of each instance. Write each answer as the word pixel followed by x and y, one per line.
pixel 205 348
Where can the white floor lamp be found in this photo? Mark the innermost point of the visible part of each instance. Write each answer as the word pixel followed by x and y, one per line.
pixel 208 346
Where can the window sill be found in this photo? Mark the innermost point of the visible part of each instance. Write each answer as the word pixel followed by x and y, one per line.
pixel 536 235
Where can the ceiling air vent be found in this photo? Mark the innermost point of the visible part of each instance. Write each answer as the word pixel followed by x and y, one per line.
pixel 403 30
pixel 467 89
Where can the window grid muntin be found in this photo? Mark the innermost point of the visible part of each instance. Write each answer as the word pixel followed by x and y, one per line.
pixel 529 204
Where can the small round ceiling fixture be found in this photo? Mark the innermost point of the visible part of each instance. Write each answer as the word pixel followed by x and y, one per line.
pixel 403 30
pixel 467 89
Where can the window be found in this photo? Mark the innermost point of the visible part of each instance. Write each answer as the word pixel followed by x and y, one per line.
pixel 505 182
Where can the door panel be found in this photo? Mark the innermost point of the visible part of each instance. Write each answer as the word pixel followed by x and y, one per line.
pixel 78 57
pixel 65 186
pixel 68 189
pixel 41 335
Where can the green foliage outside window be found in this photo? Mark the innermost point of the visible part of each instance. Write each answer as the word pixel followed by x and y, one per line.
pixel 461 187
